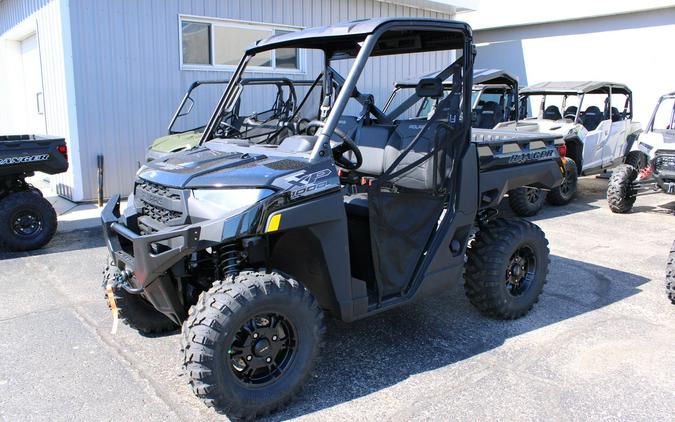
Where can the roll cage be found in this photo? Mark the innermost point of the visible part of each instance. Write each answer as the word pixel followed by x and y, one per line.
pixel 671 126
pixel 578 90
pixel 357 40
pixel 484 80
pixel 285 103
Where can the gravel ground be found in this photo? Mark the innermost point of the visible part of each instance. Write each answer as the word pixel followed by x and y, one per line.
pixel 598 346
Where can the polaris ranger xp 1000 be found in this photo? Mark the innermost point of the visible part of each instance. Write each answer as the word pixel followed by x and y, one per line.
pixel 248 245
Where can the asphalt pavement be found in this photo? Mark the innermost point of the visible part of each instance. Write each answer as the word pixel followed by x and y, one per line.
pixel 599 345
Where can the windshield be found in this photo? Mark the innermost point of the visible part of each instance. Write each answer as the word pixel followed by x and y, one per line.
pixel 347 65
pixel 664 117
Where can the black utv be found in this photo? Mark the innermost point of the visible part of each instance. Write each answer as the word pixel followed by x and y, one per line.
pixel 247 246
pixel 27 219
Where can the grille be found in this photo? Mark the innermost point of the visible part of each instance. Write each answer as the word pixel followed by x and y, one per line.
pixel 160 214
pixel 664 163
pixel 159 203
pixel 157 190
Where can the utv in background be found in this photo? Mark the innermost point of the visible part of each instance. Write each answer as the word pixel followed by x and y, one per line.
pixel 494 99
pixel 594 119
pixel 27 220
pixel 247 246
pixel 255 126
pixel 650 165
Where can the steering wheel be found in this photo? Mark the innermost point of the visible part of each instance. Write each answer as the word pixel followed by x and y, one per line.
pixel 226 129
pixel 347 145
pixel 570 116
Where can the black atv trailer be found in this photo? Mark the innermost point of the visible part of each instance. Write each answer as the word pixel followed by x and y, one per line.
pixel 248 246
pixel 27 220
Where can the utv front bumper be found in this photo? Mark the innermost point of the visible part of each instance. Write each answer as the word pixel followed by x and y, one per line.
pixel 147 258
pixel 134 253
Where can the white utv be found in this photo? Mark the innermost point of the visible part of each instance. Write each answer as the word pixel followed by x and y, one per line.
pixel 595 120
pixel 651 166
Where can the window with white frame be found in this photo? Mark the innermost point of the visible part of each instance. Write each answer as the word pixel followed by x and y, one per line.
pixel 219 44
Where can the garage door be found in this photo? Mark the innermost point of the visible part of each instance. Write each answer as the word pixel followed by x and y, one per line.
pixel 32 81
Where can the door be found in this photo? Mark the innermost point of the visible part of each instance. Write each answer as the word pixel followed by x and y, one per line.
pixel 34 112
pixel 620 125
pixel 594 146
pixel 614 147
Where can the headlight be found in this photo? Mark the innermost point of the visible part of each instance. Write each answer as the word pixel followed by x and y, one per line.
pixel 214 203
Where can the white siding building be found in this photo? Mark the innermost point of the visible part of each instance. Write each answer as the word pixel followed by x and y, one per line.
pixel 622 41
pixel 107 75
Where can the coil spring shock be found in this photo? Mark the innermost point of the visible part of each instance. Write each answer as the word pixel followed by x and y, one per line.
pixel 228 257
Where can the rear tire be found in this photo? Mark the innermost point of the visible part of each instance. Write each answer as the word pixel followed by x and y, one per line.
pixel 670 275
pixel 27 221
pixel 506 268
pixel 564 193
pixel 636 159
pixel 526 202
pixel 251 343
pixel 621 194
pixel 135 311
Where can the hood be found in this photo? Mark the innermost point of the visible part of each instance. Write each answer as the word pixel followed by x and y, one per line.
pixel 206 167
pixel 660 139
pixel 538 125
pixel 176 142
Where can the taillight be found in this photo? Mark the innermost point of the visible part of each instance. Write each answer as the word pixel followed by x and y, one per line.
pixel 63 150
pixel 562 150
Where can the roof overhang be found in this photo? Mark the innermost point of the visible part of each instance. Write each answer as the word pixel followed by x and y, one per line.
pixel 575 87
pixel 402 35
pixel 480 77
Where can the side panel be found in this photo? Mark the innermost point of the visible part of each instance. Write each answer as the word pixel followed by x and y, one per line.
pixel 616 143
pixel 594 144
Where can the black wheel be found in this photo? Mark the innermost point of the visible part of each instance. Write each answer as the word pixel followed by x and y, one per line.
pixel 636 159
pixel 135 311
pixel 506 268
pixel 670 275
pixel 621 193
pixel 27 221
pixel 249 344
pixel 564 193
pixel 526 202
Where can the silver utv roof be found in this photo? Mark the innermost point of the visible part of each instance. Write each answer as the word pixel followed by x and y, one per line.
pixel 480 77
pixel 575 87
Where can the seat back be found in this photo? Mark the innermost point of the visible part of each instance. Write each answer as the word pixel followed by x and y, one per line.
pixel 552 113
pixel 571 110
pixel 420 176
pixel 372 140
pixel 488 116
pixel 592 118
pixel 616 115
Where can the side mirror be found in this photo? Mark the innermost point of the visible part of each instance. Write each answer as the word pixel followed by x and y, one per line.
pixel 429 88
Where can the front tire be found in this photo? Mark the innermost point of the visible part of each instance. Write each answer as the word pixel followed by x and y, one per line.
pixel 27 221
pixel 564 193
pixel 506 268
pixel 526 202
pixel 621 193
pixel 670 275
pixel 134 310
pixel 251 343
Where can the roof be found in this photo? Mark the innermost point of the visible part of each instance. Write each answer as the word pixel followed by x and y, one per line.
pixel 480 77
pixel 575 87
pixel 345 36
